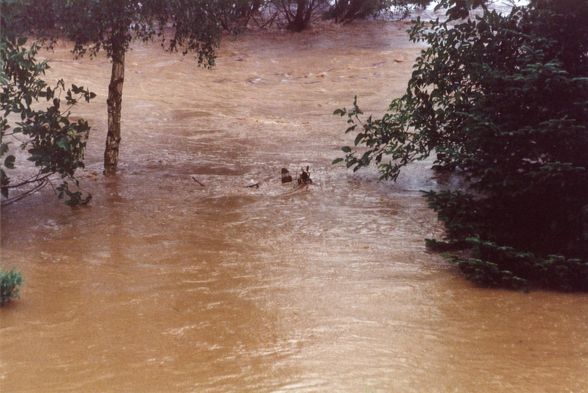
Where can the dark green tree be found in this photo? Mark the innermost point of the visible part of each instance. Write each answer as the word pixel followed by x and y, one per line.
pixel 503 102
pixel 111 26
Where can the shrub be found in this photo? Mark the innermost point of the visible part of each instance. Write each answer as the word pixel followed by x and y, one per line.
pixel 54 142
pixel 503 103
pixel 10 281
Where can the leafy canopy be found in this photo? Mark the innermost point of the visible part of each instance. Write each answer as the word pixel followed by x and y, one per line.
pixel 95 25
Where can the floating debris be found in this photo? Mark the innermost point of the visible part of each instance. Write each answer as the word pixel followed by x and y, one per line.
pixel 304 177
pixel 286 177
pixel 197 181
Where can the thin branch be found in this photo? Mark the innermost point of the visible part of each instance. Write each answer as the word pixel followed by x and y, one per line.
pixel 33 179
pixel 9 201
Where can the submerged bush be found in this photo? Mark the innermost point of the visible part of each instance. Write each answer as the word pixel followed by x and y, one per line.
pixel 10 282
pixel 36 116
pixel 502 101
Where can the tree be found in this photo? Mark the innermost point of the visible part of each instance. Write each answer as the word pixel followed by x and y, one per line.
pixel 503 102
pixel 234 15
pixel 53 142
pixel 298 13
pixel 344 11
pixel 111 26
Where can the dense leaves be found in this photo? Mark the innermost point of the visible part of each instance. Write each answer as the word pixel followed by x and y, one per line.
pixel 503 102
pixel 343 11
pixel 36 118
pixel 298 13
pixel 95 25
pixel 10 282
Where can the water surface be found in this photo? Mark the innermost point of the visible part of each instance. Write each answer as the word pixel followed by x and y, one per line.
pixel 162 285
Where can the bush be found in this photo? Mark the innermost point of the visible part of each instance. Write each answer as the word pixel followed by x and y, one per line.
pixel 55 143
pixel 503 102
pixel 10 282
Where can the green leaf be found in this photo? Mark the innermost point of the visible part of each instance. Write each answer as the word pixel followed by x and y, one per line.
pixel 62 143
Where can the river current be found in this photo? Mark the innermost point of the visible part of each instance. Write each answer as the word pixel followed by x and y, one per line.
pixel 166 285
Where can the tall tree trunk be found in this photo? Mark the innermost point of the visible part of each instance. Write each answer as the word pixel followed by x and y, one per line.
pixel 114 104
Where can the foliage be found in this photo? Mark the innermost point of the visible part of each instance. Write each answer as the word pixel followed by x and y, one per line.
pixel 343 11
pixel 489 264
pixel 234 15
pixel 298 14
pixel 95 25
pixel 10 281
pixel 55 144
pixel 503 102
pixel 186 26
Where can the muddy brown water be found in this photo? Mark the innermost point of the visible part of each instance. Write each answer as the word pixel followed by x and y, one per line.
pixel 163 285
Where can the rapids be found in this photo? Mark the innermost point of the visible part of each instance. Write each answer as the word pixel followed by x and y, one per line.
pixel 164 285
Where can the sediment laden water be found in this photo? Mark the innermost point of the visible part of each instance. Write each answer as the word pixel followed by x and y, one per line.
pixel 163 285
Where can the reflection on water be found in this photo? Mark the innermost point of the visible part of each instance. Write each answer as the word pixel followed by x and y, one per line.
pixel 165 285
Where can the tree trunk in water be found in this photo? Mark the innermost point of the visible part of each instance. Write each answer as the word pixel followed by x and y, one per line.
pixel 298 24
pixel 114 104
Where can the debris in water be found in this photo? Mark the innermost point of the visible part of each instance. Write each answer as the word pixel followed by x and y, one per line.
pixel 286 177
pixel 304 177
pixel 254 185
pixel 197 181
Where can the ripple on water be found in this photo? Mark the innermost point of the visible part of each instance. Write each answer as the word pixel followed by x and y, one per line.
pixel 163 284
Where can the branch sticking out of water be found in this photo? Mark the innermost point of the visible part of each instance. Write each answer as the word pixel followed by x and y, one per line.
pixel 197 181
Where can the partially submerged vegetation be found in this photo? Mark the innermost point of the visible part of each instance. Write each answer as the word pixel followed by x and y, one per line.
pixel 10 282
pixel 298 15
pixel 95 26
pixel 503 102
pixel 53 142
pixel 187 26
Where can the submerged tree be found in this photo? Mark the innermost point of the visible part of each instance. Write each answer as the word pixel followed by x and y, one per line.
pixel 344 11
pixel 298 13
pixel 503 102
pixel 111 26
pixel 234 15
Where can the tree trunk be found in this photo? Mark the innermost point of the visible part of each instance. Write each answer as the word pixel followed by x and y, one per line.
pixel 298 24
pixel 114 104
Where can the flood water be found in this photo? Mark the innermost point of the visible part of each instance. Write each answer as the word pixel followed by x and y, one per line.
pixel 163 285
